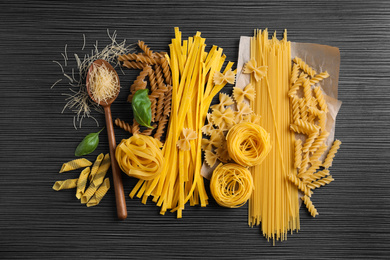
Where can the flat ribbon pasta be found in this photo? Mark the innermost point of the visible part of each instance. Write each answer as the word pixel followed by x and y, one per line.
pixel 228 77
pixel 231 185
pixel 140 156
pixel 248 144
pixel 248 93
pixel 251 67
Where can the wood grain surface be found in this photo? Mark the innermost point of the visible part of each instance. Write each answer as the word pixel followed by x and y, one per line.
pixel 35 138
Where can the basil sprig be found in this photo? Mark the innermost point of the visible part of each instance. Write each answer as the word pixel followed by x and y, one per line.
pixel 141 107
pixel 88 145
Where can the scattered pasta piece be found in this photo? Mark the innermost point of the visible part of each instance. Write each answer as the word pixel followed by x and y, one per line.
pixel 248 93
pixel 99 194
pixel 75 164
pixel 225 100
pixel 228 77
pixel 310 206
pixel 66 184
pixel 224 120
pixel 231 185
pixel 210 158
pixel 82 182
pixel 248 144
pixel 140 156
pixel 187 135
pixel 251 67
pixel 96 166
pixel 331 154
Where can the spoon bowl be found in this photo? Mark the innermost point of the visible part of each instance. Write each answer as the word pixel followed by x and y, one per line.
pixel 116 172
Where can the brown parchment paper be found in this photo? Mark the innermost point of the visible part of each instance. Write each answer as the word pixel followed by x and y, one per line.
pixel 321 58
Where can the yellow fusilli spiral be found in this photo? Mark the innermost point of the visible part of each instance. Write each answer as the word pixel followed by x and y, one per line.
pixel 294 73
pixel 295 107
pixel 309 141
pixel 308 127
pixel 145 48
pixel 317 154
pixel 231 185
pixel 331 154
pixel 321 99
pixel 316 176
pixel 306 68
pixel 122 124
pixel 317 78
pixel 248 143
pixel 314 167
pixel 310 206
pixel 304 164
pixel 303 109
pixel 319 141
pixel 307 92
pixel 298 153
pixel 300 185
pixel 140 156
pixel 321 182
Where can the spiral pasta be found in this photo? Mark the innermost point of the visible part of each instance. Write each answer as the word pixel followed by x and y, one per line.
pixel 248 144
pixel 231 185
pixel 317 154
pixel 319 183
pixel 317 78
pixel 319 141
pixel 321 99
pixel 295 108
pixel 331 154
pixel 306 68
pixel 134 65
pixel 139 83
pixel 166 71
pixel 145 48
pixel 316 176
pixel 122 124
pixel 300 185
pixel 298 154
pixel 310 206
pixel 309 141
pixel 140 156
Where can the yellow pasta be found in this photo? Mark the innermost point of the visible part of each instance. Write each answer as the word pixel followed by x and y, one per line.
pixel 317 78
pixel 224 120
pixel 295 107
pixel 300 185
pixel 248 93
pixel 75 164
pixel 231 185
pixel 319 141
pixel 140 156
pixel 66 184
pixel 82 182
pixel 228 77
pixel 99 194
pixel 258 72
pixel 187 135
pixel 316 176
pixel 321 99
pixel 248 144
pixel 306 68
pixel 96 166
pixel 210 157
pixel 319 183
pixel 310 206
pixel 298 153
pixel 309 141
pixel 318 153
pixel 223 153
pixel 102 170
pixel 331 154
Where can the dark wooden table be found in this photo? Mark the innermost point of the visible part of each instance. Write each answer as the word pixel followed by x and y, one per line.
pixel 35 138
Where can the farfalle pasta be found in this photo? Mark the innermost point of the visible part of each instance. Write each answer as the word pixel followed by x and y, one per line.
pixel 248 93
pixel 223 120
pixel 258 72
pixel 228 77
pixel 186 136
pixel 210 157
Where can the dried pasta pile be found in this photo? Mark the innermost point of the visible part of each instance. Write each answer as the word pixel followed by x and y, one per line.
pixel 154 67
pixel 98 185
pixel 309 113
pixel 193 89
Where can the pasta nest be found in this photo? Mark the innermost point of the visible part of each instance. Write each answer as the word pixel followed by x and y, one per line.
pixel 140 156
pixel 231 185
pixel 248 144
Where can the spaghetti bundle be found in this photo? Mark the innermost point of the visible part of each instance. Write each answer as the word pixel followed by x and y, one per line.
pixel 231 185
pixel 248 144
pixel 140 156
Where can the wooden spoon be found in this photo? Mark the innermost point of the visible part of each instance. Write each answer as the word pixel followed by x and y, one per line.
pixel 116 172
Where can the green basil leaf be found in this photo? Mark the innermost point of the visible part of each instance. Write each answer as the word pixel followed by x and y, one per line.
pixel 142 107
pixel 88 145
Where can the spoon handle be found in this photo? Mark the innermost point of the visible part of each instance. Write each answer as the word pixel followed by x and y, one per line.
pixel 116 172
